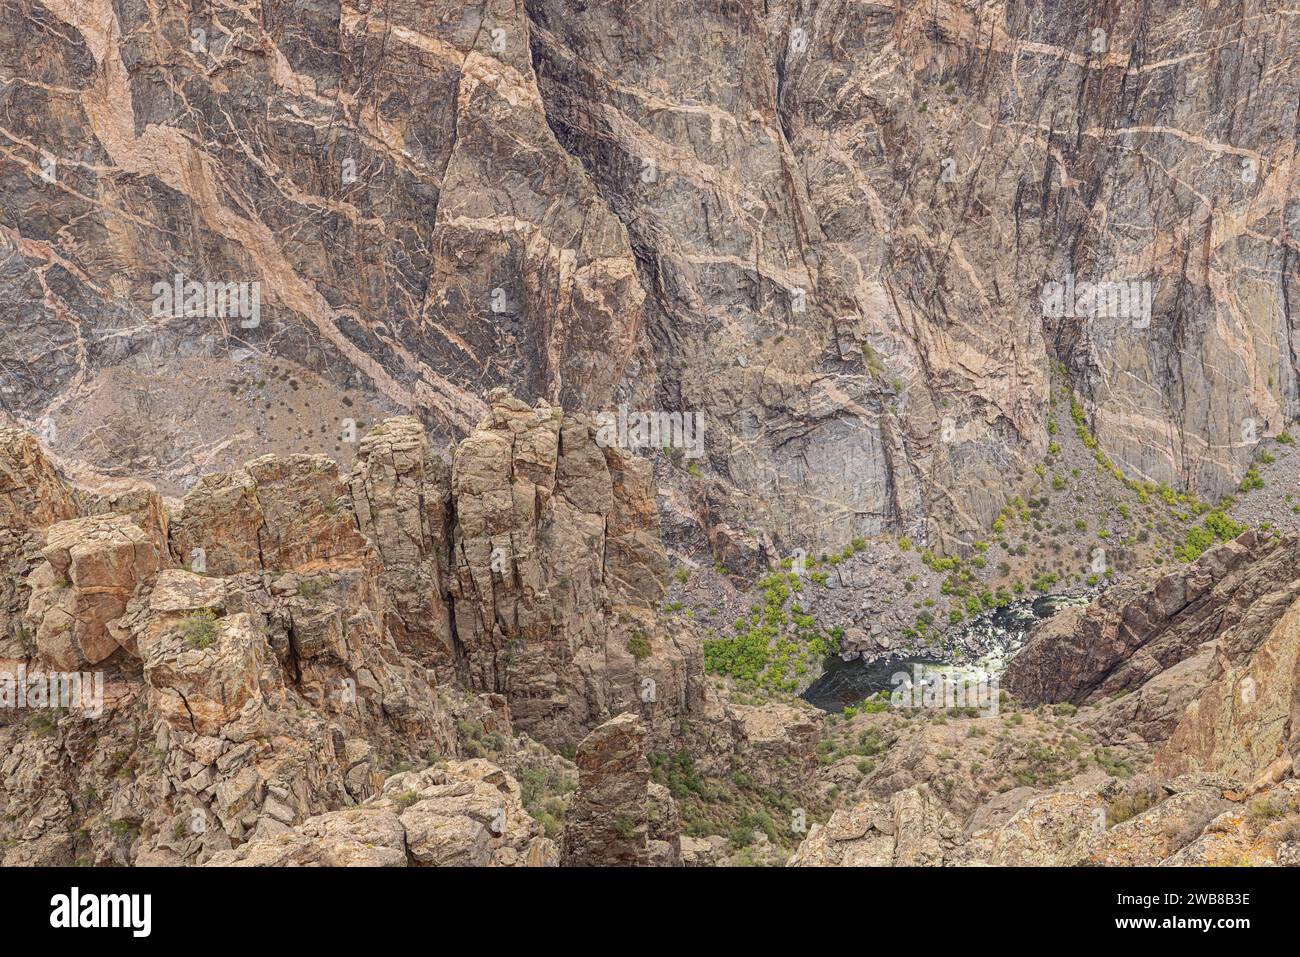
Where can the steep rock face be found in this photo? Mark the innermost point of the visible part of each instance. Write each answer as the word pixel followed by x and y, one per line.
pixel 557 568
pixel 275 513
pixel 401 494
pixel 1151 712
pixel 1202 661
pixel 824 226
pixel 1247 722
pixel 1139 628
pixel 32 497
pixel 236 702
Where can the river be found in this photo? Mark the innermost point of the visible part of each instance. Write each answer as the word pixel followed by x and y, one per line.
pixel 986 644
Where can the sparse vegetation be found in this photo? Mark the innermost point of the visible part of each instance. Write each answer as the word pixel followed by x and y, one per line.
pixel 200 629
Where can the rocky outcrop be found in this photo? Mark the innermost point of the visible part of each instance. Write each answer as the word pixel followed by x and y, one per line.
pixel 531 567
pixel 93 567
pixel 618 818
pixel 911 828
pixel 254 689
pixel 32 497
pixel 285 636
pixel 31 493
pixel 1247 722
pixel 273 514
pixel 460 814
pixel 556 572
pixel 401 494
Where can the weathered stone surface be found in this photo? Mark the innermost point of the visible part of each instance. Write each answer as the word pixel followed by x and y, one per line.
pixel 556 567
pixel 401 493
pixel 464 814
pixel 204 687
pixel 1248 721
pixel 1156 834
pixel 1050 831
pixel 266 685
pixel 93 568
pixel 31 493
pixel 358 837
pixel 529 198
pixel 910 829
pixel 32 497
pixel 273 514
pixel 616 817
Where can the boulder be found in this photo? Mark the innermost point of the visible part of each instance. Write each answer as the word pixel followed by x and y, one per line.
pixel 93 568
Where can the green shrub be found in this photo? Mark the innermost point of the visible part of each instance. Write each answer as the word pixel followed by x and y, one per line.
pixel 639 646
pixel 200 629
pixel 1216 527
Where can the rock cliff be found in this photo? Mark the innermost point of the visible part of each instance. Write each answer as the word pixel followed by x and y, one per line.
pixel 825 227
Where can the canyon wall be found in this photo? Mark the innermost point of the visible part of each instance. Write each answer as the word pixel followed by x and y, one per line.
pixel 824 226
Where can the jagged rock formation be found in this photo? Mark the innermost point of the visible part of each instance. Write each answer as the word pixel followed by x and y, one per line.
pixel 31 498
pixel 93 567
pixel 265 681
pixel 466 814
pixel 910 829
pixel 274 646
pixel 619 817
pixel 400 495
pixel 824 226
pixel 556 571
pixel 526 568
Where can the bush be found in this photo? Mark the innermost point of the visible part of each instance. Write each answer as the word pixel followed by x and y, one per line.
pixel 1128 806
pixel 1216 527
pixel 200 630
pixel 639 646
pixel 1263 811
